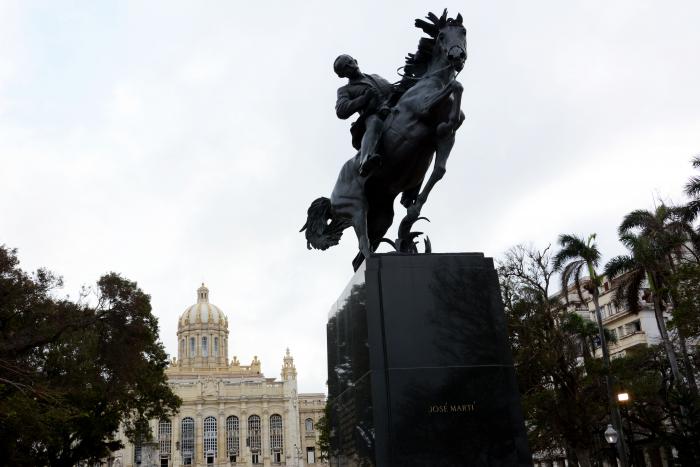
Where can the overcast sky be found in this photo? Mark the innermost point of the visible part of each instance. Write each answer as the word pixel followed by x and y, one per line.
pixel 181 142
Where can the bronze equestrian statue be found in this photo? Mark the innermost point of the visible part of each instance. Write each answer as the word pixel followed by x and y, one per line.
pixel 421 123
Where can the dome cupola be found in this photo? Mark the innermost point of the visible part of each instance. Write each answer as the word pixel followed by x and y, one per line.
pixel 202 332
pixel 202 312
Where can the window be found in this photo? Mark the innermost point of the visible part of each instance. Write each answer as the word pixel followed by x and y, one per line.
pixel 309 424
pixel 631 328
pixel 215 350
pixel 232 437
pixel 256 458
pixel 210 438
pixel 310 455
pixel 187 440
pixel 254 439
pixel 137 452
pixel 205 348
pixel 192 347
pixel 164 437
pixel 276 437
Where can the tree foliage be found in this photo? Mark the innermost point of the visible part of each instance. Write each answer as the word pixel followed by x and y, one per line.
pixel 563 397
pixel 72 373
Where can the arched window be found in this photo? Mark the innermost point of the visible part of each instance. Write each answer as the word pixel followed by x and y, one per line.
pixel 210 439
pixel 276 437
pixel 309 423
pixel 254 439
pixel 187 440
pixel 232 436
pixel 205 348
pixel 164 436
pixel 215 351
pixel 193 348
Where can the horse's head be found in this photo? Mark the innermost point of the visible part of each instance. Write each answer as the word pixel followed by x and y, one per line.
pixel 450 37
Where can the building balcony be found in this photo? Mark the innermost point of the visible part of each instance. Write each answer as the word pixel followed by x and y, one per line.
pixel 624 343
pixel 615 316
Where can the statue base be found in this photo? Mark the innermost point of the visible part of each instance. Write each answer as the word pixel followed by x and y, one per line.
pixel 420 371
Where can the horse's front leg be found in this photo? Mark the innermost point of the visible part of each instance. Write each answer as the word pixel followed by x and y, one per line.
pixel 442 153
pixel 456 116
pixel 404 241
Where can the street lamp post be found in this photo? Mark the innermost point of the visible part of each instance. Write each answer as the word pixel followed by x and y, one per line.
pixel 623 398
pixel 610 434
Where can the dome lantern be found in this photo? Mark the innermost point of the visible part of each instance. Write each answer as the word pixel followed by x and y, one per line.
pixel 203 294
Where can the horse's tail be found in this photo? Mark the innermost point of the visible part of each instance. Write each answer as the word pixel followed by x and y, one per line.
pixel 321 234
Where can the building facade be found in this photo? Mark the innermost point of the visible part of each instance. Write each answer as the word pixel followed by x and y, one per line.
pixel 630 329
pixel 231 414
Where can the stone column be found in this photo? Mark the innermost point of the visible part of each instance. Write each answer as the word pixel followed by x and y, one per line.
pixel 243 450
pixel 265 435
pixel 221 455
pixel 198 456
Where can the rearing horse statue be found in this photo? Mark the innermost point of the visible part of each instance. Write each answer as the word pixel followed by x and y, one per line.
pixel 421 124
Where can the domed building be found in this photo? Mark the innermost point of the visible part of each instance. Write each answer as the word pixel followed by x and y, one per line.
pixel 231 414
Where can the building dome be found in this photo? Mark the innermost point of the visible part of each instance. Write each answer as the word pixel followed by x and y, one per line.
pixel 202 312
pixel 202 332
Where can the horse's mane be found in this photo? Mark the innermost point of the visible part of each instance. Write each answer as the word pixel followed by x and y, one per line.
pixel 417 63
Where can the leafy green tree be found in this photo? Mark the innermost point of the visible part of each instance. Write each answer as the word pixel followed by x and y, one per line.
pixel 563 400
pixel 324 437
pixel 658 413
pixel 72 373
pixel 686 307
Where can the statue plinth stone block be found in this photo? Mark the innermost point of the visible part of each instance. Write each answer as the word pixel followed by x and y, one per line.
pixel 420 369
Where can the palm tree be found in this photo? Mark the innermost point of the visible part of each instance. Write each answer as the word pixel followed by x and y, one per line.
pixel 575 256
pixel 586 331
pixel 692 189
pixel 665 234
pixel 669 228
pixel 643 265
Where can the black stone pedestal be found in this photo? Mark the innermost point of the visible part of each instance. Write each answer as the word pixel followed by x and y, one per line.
pixel 419 367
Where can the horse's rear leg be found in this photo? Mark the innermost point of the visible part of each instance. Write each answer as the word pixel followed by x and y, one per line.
pixel 359 222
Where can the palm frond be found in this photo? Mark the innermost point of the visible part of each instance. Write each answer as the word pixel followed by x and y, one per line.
pixel 692 188
pixel 638 219
pixel 619 265
pixel 696 161
pixel 573 247
pixel 628 293
pixel 572 273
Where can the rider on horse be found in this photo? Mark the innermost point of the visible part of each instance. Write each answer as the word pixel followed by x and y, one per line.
pixel 369 96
